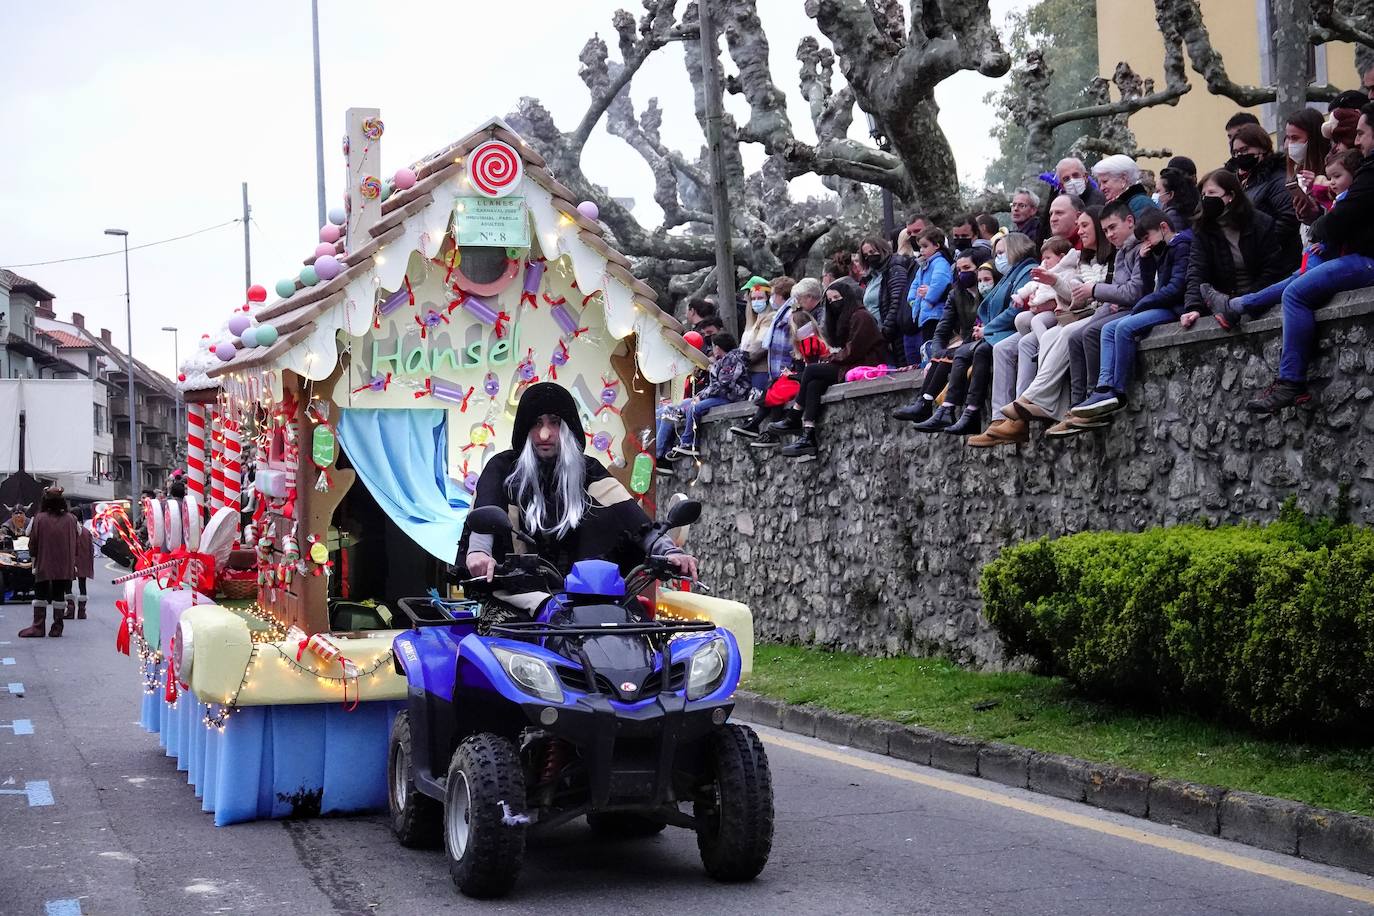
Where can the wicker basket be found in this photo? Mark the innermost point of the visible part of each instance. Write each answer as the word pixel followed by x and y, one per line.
pixel 234 589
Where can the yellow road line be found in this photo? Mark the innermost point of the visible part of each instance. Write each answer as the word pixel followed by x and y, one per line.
pixel 1172 844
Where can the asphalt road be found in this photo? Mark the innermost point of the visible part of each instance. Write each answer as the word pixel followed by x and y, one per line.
pixel 856 833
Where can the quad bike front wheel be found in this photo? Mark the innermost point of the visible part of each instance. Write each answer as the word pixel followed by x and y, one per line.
pixel 416 819
pixel 734 812
pixel 484 820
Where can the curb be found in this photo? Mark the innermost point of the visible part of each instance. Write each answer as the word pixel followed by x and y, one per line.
pixel 1275 824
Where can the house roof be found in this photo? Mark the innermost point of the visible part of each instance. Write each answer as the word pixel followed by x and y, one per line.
pixel 18 284
pixel 66 340
pixel 409 220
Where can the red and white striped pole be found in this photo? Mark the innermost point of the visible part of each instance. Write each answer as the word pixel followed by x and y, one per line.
pixel 233 466
pixel 195 451
pixel 216 462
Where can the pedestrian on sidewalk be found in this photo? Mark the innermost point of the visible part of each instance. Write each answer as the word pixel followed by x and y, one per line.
pixel 52 544
pixel 85 565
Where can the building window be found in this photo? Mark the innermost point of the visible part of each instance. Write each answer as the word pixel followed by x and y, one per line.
pixel 99 419
pixel 100 466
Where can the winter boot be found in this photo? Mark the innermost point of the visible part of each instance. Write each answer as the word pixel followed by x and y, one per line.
pixel 942 418
pixel 40 619
pixel 966 425
pixel 1279 395
pixel 70 612
pixel 804 447
pixel 80 607
pixel 57 622
pixel 790 424
pixel 916 413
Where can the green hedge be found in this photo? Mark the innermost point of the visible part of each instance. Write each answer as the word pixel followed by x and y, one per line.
pixel 1270 625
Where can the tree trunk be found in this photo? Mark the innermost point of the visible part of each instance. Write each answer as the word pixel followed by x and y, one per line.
pixel 1292 29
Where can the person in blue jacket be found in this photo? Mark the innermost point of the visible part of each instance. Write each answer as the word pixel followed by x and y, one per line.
pixel 1170 252
pixel 929 284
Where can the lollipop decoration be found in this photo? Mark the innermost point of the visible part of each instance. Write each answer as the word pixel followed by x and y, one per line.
pixel 602 443
pixel 370 187
pixel 373 128
pixel 495 169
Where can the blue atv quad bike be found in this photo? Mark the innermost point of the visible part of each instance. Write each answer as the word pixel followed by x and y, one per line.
pixel 589 709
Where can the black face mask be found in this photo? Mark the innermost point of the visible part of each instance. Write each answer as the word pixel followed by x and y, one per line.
pixel 967 279
pixel 962 244
pixel 1213 208
pixel 1159 248
pixel 871 260
pixel 1245 162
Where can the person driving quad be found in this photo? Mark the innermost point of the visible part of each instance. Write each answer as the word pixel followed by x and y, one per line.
pixel 561 497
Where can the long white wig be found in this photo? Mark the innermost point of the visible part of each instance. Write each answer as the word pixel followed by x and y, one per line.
pixel 569 486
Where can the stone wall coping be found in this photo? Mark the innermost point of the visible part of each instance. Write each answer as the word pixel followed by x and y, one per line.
pixel 1278 824
pixel 1353 304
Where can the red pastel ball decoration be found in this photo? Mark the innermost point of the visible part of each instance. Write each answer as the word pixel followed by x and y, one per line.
pixel 257 293
pixel 181 376
pixel 695 339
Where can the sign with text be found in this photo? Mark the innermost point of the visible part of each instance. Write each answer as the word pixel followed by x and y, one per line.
pixel 500 222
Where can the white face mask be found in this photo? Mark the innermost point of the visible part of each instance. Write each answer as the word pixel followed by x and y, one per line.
pixel 1158 199
pixel 1076 186
pixel 985 286
pixel 1297 151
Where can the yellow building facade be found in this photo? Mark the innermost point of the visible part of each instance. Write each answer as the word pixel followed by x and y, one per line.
pixel 1241 32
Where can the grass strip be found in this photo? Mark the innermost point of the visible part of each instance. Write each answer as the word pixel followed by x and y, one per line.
pixel 1045 714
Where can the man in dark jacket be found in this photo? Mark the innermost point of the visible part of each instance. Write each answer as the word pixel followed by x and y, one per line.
pixel 1169 252
pixel 1347 234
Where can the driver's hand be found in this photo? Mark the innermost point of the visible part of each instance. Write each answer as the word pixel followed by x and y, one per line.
pixel 481 565
pixel 685 564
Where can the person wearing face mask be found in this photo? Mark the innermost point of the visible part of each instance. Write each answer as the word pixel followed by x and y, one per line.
pixel 963 234
pixel 953 331
pixel 1307 150
pixel 1177 196
pixel 885 281
pixel 1236 248
pixel 926 294
pixel 1119 178
pixel 758 322
pixel 1264 176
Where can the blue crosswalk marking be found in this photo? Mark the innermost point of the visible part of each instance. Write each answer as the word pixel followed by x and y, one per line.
pixel 67 907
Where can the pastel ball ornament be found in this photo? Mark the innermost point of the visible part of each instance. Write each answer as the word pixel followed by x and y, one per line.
pixel 309 277
pixel 330 233
pixel 337 216
pixel 327 267
pixel 267 335
pixel 249 337
pixel 256 293
pixel 239 323
pixel 286 288
pixel 225 350
pixel 323 248
pixel 589 209
pixel 405 179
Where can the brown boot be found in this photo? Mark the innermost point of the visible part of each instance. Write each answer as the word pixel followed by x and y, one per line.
pixel 71 608
pixel 40 618
pixel 1001 432
pixel 80 607
pixel 57 621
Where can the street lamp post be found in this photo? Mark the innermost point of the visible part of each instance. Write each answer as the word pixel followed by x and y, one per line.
pixel 176 370
pixel 135 479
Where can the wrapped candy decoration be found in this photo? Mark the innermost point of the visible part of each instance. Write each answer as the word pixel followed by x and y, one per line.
pixel 534 275
pixel 290 559
pixel 491 385
pixel 484 313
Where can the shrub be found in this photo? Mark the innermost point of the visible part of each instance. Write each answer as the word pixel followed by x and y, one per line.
pixel 1273 625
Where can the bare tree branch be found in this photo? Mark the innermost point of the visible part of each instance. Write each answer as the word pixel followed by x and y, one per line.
pixel 655 31
pixel 1330 24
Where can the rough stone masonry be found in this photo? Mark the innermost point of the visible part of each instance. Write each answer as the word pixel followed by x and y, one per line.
pixel 876 546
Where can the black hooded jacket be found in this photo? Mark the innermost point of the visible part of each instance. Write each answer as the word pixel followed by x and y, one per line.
pixel 1267 189
pixel 851 330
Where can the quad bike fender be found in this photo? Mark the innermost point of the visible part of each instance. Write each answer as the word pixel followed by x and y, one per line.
pixel 732 615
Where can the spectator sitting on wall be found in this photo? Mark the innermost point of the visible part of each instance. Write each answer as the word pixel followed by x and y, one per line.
pixel 1346 235
pixel 1170 251
pixel 758 322
pixel 1177 195
pixel 988 230
pixel 962 233
pixel 729 384
pixel 851 330
pixel 1073 180
pixel 886 279
pixel 806 347
pixel 930 281
pixel 1340 172
pixel 1045 296
pixel 954 329
pixel 1306 151
pixel 916 223
pixel 1236 122
pixel 1236 249
pixel 1264 175
pixel 1025 203
pixel 1119 177
pixel 1342 118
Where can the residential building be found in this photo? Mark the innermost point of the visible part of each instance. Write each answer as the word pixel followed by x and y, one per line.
pixel 1242 32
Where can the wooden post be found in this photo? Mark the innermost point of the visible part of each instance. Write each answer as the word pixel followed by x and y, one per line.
pixel 364 162
pixel 720 197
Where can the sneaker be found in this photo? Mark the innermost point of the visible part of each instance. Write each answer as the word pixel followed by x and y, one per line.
pixel 745 432
pixel 766 441
pixel 804 448
pixel 684 451
pixel 1099 403
pixel 1279 395
pixel 663 467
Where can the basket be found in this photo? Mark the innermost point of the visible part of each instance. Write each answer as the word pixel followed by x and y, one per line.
pixel 234 585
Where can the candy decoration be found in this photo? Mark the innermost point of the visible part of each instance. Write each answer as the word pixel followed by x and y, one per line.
pixel 559 358
pixel 181 376
pixel 195 450
pixel 491 385
pixel 324 648
pixel 483 313
pixel 525 374
pixel 370 187
pixel 225 350
pixel 479 436
pixel 534 275
pixel 239 323
pixel 308 277
pixel 337 216
pixel 249 337
pixel 267 335
pixel 642 477
pixel 565 320
pixel 405 179
pixel 286 288
pixel 256 293
pixel 695 339
pixel 323 446
pixel 376 383
pixel 323 248
pixel 430 320
pixel 447 391
pixel 233 467
pixel 330 233
pixel 216 465
pixel 495 169
pixel 373 128
pixel 290 557
pixel 469 478
pixel 328 267
pixel 608 395
pixel 590 210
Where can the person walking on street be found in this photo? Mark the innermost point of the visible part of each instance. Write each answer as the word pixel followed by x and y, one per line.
pixel 85 567
pixel 52 543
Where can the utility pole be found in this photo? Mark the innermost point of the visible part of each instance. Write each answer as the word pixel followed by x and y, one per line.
pixel 247 243
pixel 319 113
pixel 136 479
pixel 720 198
pixel 1293 43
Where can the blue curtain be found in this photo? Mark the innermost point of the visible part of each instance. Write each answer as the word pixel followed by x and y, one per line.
pixel 400 456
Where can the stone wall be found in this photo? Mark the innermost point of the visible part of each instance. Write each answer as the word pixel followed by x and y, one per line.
pixel 876 545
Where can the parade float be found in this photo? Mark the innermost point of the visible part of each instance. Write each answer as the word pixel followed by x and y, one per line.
pixel 335 438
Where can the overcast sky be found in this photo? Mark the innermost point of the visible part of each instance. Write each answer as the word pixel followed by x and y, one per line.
pixel 147 116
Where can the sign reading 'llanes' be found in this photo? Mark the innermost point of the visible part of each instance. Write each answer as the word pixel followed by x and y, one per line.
pixel 497 222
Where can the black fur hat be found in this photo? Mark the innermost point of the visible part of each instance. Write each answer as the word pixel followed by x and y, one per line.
pixel 544 398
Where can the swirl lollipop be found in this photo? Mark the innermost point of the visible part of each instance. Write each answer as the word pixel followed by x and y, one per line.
pixel 495 169
pixel 370 187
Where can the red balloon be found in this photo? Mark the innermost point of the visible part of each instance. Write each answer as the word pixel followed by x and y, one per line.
pixel 257 293
pixel 695 339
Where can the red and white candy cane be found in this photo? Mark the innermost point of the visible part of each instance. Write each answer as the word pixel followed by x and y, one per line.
pixel 216 464
pixel 326 650
pixel 195 450
pixel 233 466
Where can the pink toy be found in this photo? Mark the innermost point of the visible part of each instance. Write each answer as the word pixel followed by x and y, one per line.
pixel 867 373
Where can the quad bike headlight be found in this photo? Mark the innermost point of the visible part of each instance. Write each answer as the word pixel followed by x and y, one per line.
pixel 533 675
pixel 707 669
